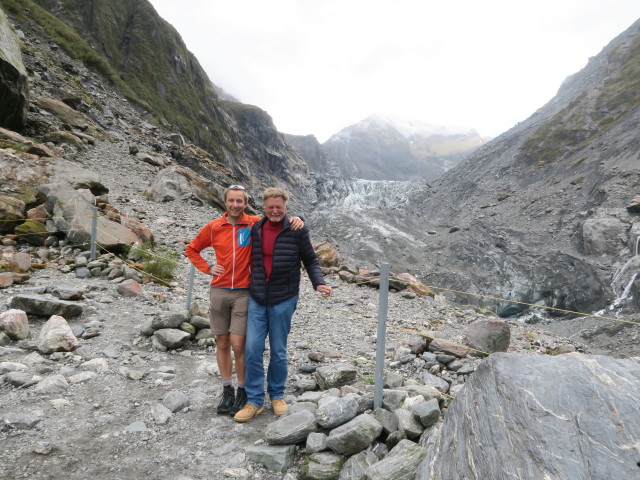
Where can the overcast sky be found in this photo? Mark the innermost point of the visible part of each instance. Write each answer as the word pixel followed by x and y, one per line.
pixel 319 66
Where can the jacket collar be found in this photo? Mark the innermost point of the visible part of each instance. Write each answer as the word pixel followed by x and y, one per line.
pixel 244 218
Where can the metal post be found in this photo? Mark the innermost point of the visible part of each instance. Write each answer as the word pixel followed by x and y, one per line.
pixel 192 274
pixel 382 333
pixel 94 232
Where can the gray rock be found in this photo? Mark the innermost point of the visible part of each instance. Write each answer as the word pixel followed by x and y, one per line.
pixel 136 427
pixel 6 367
pixel 275 458
pixel 307 368
pixel 299 406
pixel 393 381
pixel 169 319
pixel 400 463
pixel 322 466
pixel 53 384
pixel 365 402
pixel 310 397
pixel 488 335
pixel 204 334
pixel 18 379
pixel 337 375
pixel 426 392
pixel 355 435
pixel 394 438
pixel 408 424
pixel 83 272
pixel 175 401
pixel 512 394
pixel 393 399
pixel 81 377
pixel 72 212
pixel 291 429
pixel 45 307
pixel 171 337
pixel 355 467
pixel 316 442
pixel 98 365
pixel 56 336
pixel 387 419
pixel 428 412
pixel 160 414
pixel 18 421
pixel 199 322
pixel 435 382
pixel 146 328
pixel 77 330
pixel 455 365
pixel 306 384
pixel 15 324
pixel 332 414
pixel 602 235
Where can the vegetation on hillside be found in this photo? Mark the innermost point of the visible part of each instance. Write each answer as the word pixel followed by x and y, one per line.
pixel 142 55
pixel 581 121
pixel 68 38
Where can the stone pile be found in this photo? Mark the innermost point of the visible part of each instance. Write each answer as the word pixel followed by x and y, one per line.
pixel 174 329
pixel 344 437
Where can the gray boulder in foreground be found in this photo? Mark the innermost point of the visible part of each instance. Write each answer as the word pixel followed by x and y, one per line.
pixel 527 417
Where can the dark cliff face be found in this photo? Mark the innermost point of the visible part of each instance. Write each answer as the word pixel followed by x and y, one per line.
pixel 14 83
pixel 314 154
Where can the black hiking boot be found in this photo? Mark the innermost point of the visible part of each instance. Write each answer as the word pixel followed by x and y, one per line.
pixel 241 401
pixel 228 398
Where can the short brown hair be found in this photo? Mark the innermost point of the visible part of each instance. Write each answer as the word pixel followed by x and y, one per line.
pixel 238 188
pixel 273 192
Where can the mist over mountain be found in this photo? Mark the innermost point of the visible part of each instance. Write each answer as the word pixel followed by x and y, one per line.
pixel 385 148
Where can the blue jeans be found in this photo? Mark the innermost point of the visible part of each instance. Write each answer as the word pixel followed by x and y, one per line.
pixel 274 321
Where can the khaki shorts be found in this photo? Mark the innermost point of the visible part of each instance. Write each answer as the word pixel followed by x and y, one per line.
pixel 228 312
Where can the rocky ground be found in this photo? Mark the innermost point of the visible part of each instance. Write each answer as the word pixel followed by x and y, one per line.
pixel 105 427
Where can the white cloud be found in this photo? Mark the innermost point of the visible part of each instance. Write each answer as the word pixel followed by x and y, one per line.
pixel 317 67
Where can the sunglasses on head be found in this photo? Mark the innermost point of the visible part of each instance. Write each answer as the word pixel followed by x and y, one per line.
pixel 235 187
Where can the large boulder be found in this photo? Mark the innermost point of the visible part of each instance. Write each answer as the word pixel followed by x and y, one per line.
pixel 175 183
pixel 21 173
pixel 604 235
pixel 64 112
pixel 56 336
pixel 14 81
pixel 72 211
pixel 15 324
pixel 542 417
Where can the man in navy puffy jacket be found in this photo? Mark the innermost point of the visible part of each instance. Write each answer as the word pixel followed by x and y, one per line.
pixel 278 253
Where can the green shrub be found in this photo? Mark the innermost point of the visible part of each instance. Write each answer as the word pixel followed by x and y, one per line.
pixel 159 262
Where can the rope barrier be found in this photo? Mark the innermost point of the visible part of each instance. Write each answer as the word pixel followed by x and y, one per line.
pixel 421 334
pixel 534 305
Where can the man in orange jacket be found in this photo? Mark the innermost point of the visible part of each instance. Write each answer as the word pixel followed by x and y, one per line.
pixel 230 238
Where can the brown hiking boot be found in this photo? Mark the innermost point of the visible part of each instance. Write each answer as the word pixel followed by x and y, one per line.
pixel 279 406
pixel 247 413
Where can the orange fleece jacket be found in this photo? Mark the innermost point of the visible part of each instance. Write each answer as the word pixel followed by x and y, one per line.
pixel 232 246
